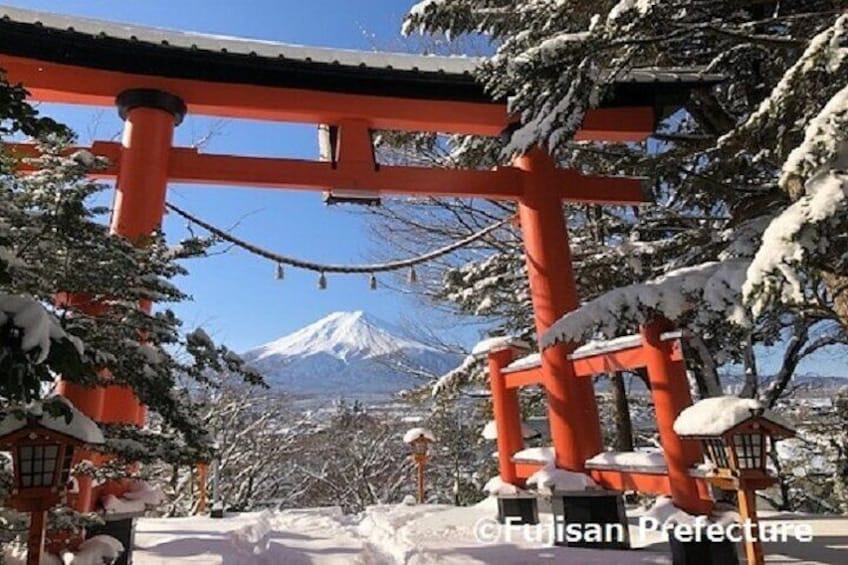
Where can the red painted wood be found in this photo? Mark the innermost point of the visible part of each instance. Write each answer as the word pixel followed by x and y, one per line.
pixel 670 393
pixel 507 412
pixel 572 410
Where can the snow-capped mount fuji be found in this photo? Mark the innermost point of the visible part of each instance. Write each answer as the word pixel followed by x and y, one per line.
pixel 346 354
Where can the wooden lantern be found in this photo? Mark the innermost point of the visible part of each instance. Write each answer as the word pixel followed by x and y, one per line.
pixel 419 439
pixel 42 448
pixel 739 453
pixel 735 433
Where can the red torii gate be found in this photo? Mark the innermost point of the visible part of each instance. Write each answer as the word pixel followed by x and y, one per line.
pixel 655 349
pixel 156 76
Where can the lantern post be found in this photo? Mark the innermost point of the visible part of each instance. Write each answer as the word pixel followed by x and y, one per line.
pixel 201 480
pixel 419 439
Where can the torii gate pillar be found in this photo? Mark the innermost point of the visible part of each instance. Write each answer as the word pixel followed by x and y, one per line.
pixel 572 411
pixel 150 117
pixel 149 120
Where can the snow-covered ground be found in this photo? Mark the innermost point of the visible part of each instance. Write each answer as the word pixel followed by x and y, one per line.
pixel 426 534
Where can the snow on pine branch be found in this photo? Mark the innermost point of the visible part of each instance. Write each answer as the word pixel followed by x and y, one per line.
pixel 703 292
pixel 804 232
pixel 558 117
pixel 793 239
pixel 628 8
pixel 415 13
pixel 823 61
pixel 38 327
pixel 825 142
pixel 469 370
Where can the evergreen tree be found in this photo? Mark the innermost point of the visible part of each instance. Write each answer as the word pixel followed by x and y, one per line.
pixel 742 243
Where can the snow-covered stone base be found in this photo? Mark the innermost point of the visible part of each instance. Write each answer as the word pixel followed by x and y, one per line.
pixel 549 479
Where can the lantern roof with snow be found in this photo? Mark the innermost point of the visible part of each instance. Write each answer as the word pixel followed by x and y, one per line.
pixel 418 434
pixel 725 415
pixel 72 424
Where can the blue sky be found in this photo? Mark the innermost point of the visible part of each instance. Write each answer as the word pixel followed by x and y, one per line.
pixel 236 297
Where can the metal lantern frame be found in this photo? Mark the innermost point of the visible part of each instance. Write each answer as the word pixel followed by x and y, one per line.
pixel 420 451
pixel 41 463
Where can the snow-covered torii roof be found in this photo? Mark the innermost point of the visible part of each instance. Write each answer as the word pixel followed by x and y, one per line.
pixel 122 47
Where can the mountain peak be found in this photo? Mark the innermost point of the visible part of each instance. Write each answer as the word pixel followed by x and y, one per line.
pixel 342 335
pixel 346 352
pixel 344 314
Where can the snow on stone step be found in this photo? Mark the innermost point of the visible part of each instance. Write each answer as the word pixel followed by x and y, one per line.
pixel 549 479
pixel 496 486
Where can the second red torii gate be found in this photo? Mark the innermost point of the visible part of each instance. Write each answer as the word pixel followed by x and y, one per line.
pixel 656 350
pixel 155 77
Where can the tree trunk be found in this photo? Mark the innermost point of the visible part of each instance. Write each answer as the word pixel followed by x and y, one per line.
pixel 752 379
pixel 621 414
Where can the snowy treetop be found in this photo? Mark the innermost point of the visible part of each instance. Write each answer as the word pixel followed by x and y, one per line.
pixel 715 416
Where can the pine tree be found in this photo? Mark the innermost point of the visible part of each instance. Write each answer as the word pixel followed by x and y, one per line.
pixel 742 244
